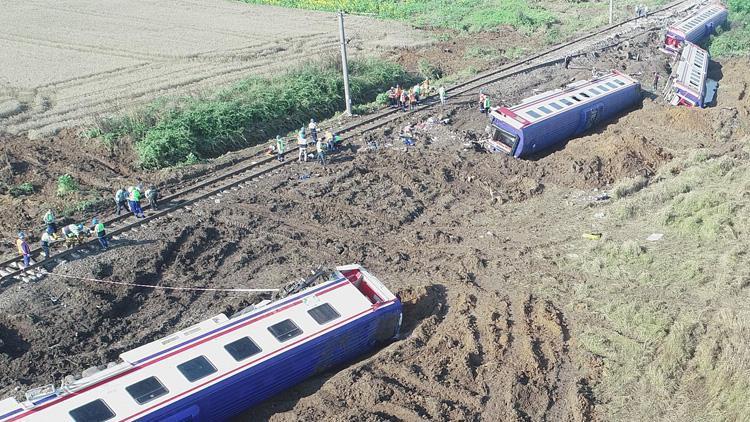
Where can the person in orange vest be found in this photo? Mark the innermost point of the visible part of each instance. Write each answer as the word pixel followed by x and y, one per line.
pixel 23 249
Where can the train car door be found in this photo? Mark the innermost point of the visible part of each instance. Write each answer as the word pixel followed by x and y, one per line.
pixel 590 116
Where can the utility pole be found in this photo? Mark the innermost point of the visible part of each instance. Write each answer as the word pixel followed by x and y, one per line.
pixel 344 64
pixel 610 11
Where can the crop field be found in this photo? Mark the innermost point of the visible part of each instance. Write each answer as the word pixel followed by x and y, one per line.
pixel 72 61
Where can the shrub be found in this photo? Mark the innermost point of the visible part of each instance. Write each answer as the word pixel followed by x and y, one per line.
pixel 735 42
pixel 192 129
pixel 22 189
pixel 429 70
pixel 66 184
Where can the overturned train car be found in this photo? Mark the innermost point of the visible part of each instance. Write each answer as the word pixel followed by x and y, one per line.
pixel 550 118
pixel 687 84
pixel 222 366
pixel 693 29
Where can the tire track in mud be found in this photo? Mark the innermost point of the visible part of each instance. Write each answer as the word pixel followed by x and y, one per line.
pixel 466 354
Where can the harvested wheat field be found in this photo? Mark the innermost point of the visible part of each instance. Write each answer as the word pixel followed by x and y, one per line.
pixel 71 61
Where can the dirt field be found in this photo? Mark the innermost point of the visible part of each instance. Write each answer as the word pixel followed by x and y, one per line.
pixel 74 60
pixel 509 313
pixel 499 313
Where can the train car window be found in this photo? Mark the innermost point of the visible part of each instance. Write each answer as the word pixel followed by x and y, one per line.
pixel 576 99
pixel 285 330
pixel 585 95
pixel 619 82
pixel 595 91
pixel 197 368
pixel 545 110
pixel 242 349
pixel 611 85
pixel 95 411
pixel 533 114
pixel 555 106
pixel 566 101
pixel 603 88
pixel 323 313
pixel 145 391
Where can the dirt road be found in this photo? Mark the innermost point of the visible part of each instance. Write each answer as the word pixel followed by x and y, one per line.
pixel 69 62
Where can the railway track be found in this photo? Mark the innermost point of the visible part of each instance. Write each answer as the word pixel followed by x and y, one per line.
pixel 252 167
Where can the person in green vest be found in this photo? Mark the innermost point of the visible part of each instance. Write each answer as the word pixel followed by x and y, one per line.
pixel 487 104
pixel 135 201
pixel 49 220
pixel 280 148
pixel 101 233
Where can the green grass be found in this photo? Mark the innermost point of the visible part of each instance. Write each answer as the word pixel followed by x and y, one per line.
pixel 669 319
pixel 66 185
pixel 187 130
pixel 460 15
pixel 734 42
pixel 21 190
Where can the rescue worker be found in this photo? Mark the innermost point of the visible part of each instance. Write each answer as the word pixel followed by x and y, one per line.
pixel 425 90
pixel 313 130
pixel 417 93
pixel 135 202
pixel 47 240
pixel 441 93
pixel 567 61
pixel 302 145
pixel 404 100
pixel 330 145
pixel 101 234
pixel 412 100
pixel 321 152
pixel 152 194
pixel 392 97
pixel 655 85
pixel 121 200
pixel 407 136
pixel 487 104
pixel 49 220
pixel 482 97
pixel 280 148
pixel 397 95
pixel 23 249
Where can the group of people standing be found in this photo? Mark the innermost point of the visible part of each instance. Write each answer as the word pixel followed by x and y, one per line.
pixel 130 199
pixel 75 233
pixel 72 234
pixel 324 145
pixel 408 99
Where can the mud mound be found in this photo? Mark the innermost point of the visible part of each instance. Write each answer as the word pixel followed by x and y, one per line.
pixel 465 354
pixel 599 160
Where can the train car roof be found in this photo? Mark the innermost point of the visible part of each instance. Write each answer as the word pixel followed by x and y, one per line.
pixel 309 314
pixel 698 18
pixel 551 103
pixel 692 69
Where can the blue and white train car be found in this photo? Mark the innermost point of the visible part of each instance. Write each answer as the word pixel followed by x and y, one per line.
pixel 550 118
pixel 693 29
pixel 687 85
pixel 222 366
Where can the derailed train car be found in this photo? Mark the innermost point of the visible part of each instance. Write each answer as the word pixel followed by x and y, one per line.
pixel 222 366
pixel 547 119
pixel 687 84
pixel 693 29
